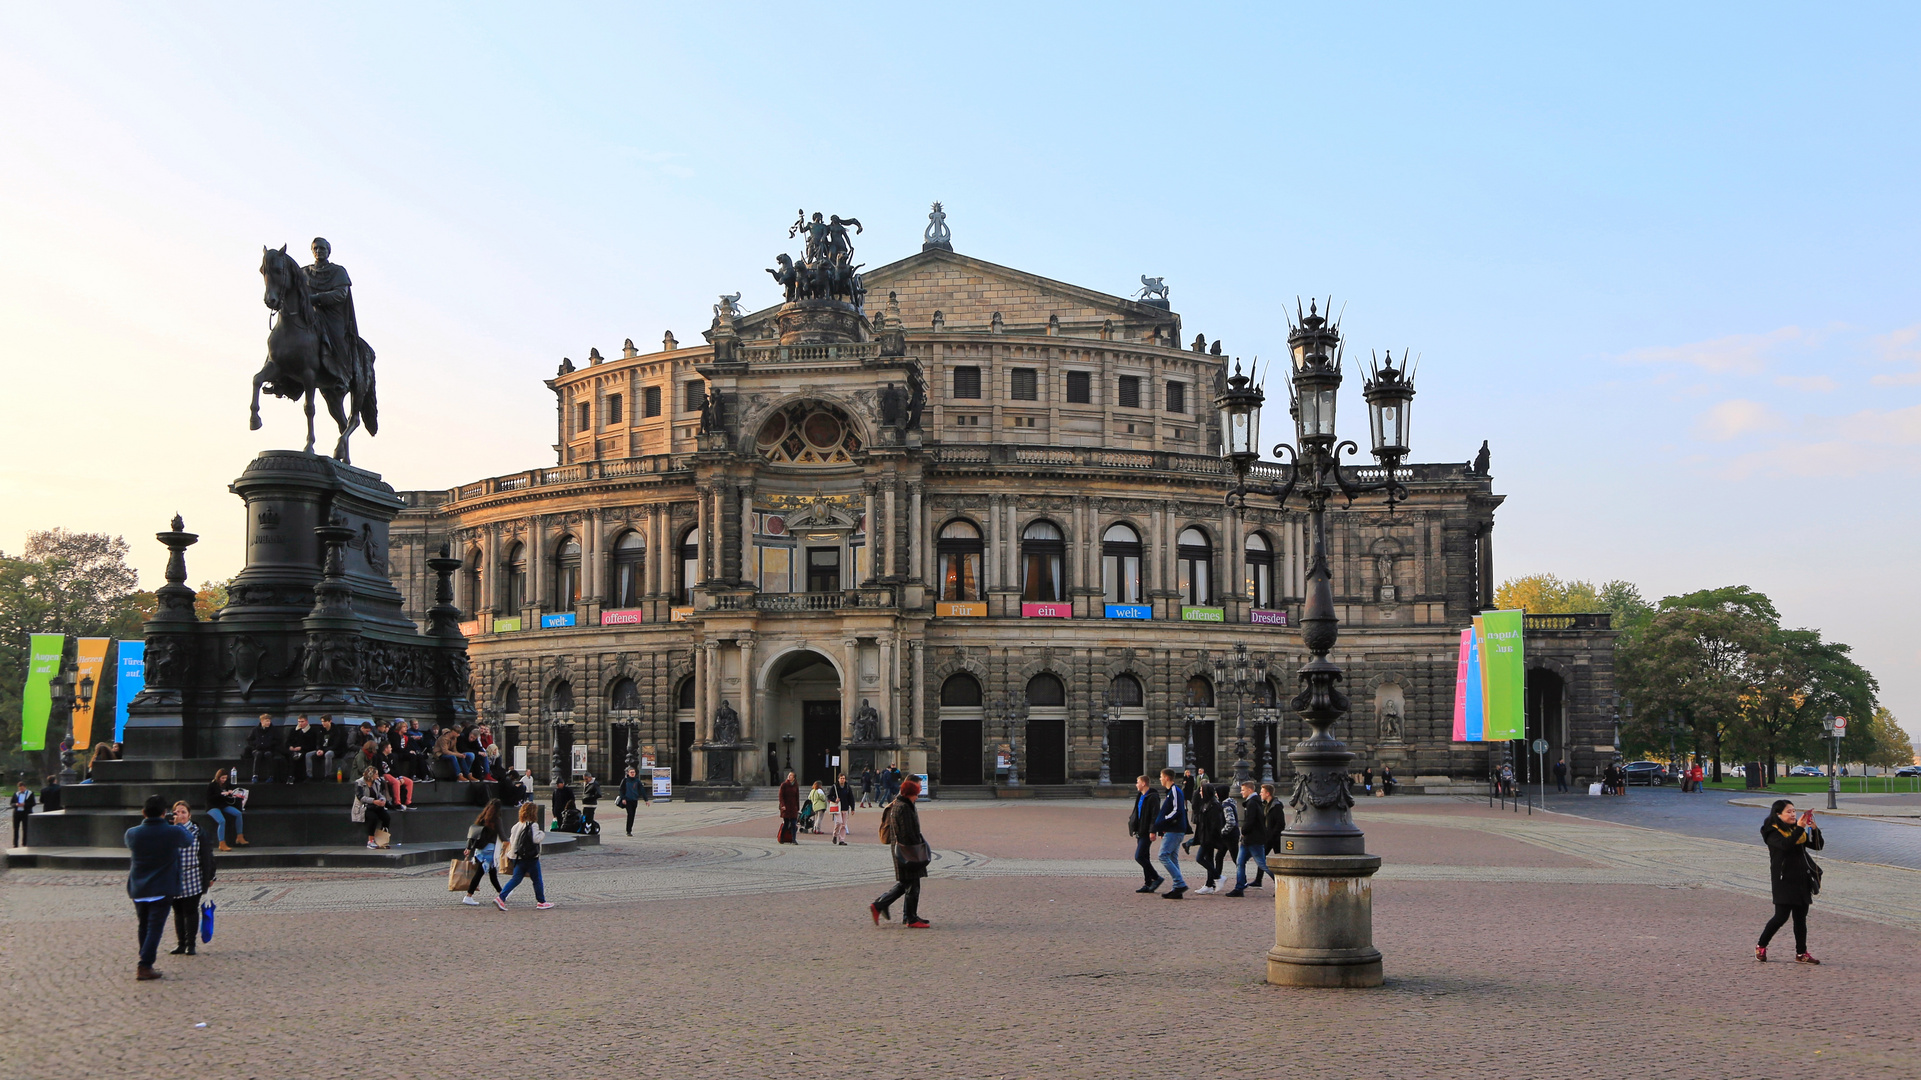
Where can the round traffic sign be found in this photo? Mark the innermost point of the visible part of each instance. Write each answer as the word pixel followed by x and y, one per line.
pixel 1540 746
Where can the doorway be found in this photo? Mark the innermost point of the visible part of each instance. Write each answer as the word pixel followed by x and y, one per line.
pixel 1046 751
pixel 1543 712
pixel 1203 749
pixel 1127 751
pixel 684 753
pixel 819 740
pixel 960 750
pixel 823 569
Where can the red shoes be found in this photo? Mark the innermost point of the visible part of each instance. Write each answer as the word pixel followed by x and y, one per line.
pixel 1805 958
pixel 918 924
pixel 1761 953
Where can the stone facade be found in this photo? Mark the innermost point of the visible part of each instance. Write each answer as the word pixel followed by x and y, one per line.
pixel 765 525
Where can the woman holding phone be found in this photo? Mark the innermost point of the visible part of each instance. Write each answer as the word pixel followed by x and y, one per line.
pixel 1794 873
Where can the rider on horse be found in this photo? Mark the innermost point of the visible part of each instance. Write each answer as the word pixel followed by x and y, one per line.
pixel 331 291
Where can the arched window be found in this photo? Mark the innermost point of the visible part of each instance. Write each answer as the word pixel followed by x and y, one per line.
pixel 1264 694
pixel 623 696
pixel 960 691
pixel 1196 560
pixel 959 547
pixel 685 699
pixel 1045 689
pixel 1121 565
pixel 1200 691
pixel 689 566
pixel 567 574
pixel 510 699
pixel 1260 570
pixel 473 592
pixel 561 697
pixel 1043 557
pixel 1125 691
pixel 516 596
pixel 630 553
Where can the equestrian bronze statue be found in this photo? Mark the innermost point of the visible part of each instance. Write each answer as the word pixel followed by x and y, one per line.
pixel 314 344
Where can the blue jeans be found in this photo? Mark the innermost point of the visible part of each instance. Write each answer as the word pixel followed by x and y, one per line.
pixel 1248 851
pixel 462 764
pixel 152 915
pixel 525 868
pixel 222 815
pixel 1171 857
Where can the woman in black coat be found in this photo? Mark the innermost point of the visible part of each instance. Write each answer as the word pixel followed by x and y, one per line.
pixel 901 823
pixel 1796 879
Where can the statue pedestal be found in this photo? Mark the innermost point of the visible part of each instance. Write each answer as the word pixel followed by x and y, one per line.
pixel 1323 921
pixel 819 322
pixel 723 762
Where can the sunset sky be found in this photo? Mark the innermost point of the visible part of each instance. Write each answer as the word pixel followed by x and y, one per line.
pixel 1662 257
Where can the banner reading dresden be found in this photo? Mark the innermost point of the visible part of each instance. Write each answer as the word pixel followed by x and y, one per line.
pixel 36 698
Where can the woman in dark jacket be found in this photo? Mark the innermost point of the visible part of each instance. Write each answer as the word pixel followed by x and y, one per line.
pixel 482 835
pixel 790 810
pixel 1207 835
pixel 900 823
pixel 1792 870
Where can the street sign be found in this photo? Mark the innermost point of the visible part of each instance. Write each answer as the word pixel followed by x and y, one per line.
pixel 1840 726
pixel 1540 746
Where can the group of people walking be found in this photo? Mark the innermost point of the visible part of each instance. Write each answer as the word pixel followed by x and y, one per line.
pixel 1186 813
pixel 516 850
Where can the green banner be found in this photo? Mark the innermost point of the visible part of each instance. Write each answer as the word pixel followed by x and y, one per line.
pixel 1503 674
pixel 36 699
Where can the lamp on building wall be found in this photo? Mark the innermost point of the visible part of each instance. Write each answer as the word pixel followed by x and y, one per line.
pixel 1323 936
pixel 1010 710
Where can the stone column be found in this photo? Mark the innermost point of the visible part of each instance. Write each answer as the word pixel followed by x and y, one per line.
pixel 1013 542
pixel 700 533
pixel 594 557
pixel 849 687
pixel 749 697
pixel 1156 549
pixel 749 575
pixel 893 491
pixel 1233 572
pixel 991 562
pixel 916 533
pixel 536 564
pixel 709 688
pixel 870 527
pixel 889 683
pixel 919 649
pixel 1323 920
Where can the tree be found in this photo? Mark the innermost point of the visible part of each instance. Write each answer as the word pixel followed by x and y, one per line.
pixel 1622 599
pixel 1691 664
pixel 209 599
pixel 1546 594
pixel 1796 680
pixel 76 584
pixel 1887 745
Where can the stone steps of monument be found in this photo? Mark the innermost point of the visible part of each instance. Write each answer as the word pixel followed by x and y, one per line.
pixel 107 827
pixel 314 794
pixel 259 856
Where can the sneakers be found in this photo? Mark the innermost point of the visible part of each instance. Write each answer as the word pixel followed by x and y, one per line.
pixel 500 903
pixel 373 845
pixel 543 905
pixel 469 900
pixel 1175 892
pixel 1205 889
pixel 143 973
pixel 918 924
pixel 1149 887
pixel 1761 953
pixel 1805 958
pixel 1234 892
pixel 877 911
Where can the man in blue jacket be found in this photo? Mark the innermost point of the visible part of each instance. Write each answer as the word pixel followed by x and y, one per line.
pixel 1140 825
pixel 153 878
pixel 1171 825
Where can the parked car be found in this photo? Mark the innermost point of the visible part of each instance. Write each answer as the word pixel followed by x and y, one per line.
pixel 1804 770
pixel 1735 770
pixel 1908 770
pixel 1652 773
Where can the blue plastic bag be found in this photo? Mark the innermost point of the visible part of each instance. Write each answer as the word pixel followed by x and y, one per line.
pixel 206 921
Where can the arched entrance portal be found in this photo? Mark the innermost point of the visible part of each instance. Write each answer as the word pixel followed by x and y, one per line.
pixel 800 702
pixel 1546 694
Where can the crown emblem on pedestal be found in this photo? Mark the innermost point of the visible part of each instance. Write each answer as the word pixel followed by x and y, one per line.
pixel 269 518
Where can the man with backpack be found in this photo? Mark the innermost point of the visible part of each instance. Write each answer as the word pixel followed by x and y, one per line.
pixel 1170 824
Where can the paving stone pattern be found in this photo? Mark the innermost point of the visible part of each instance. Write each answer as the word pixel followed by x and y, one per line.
pixel 1516 947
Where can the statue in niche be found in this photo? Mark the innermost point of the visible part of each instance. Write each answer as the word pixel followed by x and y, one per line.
pixel 726 725
pixel 1391 726
pixel 866 723
pixel 1384 567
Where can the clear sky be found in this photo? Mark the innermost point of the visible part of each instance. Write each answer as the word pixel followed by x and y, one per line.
pixel 1662 256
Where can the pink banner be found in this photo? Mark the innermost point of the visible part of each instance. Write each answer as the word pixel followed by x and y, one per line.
pixel 622 617
pixel 1460 687
pixel 1267 618
pixel 1047 611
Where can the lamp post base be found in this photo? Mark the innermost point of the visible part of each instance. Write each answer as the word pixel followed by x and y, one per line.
pixel 1324 921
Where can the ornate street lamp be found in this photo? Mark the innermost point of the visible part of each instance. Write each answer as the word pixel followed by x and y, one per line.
pixel 1110 717
pixel 1233 676
pixel 1324 936
pixel 1011 710
pixel 1192 715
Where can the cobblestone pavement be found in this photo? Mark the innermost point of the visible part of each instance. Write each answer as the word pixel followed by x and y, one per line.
pixel 1516 947
pixel 1711 814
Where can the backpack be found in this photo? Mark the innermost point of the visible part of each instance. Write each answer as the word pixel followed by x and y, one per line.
pixel 887 825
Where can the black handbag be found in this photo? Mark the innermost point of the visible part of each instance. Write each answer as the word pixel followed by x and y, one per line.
pixel 913 853
pixel 1814 873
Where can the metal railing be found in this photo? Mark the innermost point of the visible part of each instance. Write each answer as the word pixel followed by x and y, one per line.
pixel 1597 620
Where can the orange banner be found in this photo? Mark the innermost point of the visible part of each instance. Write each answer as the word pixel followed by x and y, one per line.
pixel 88 688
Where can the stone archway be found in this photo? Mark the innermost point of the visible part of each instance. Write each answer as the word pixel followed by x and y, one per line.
pixel 798 714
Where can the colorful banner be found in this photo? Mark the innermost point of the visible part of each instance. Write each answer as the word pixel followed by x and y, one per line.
pixel 90 661
pixel 36 698
pixel 554 622
pixel 1503 674
pixel 960 609
pixel 470 628
pixel 1267 618
pixel 680 614
pixel 1054 610
pixel 132 678
pixel 623 617
pixel 507 626
pixel 1130 611
pixel 1467 685
pixel 1203 614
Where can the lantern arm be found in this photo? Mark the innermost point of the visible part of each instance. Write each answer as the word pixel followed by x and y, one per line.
pixel 1237 498
pixel 1396 491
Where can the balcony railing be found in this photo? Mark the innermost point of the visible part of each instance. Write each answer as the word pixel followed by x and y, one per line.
pixel 1598 620
pixel 874 599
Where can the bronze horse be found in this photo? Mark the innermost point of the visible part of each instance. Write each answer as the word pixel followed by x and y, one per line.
pixel 294 368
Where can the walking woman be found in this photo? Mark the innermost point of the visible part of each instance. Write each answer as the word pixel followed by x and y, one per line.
pixel 789 810
pixel 843 809
pixel 224 804
pixel 196 873
pixel 482 835
pixel 370 805
pixel 814 812
pixel 523 847
pixel 900 827
pixel 1207 835
pixel 1794 873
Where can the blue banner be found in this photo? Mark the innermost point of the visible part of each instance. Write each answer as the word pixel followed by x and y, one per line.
pixel 549 622
pixel 1130 611
pixel 131 669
